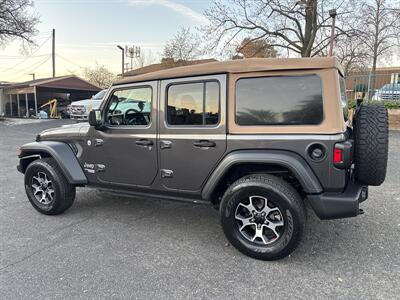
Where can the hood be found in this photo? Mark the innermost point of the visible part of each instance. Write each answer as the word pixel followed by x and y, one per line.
pixel 88 102
pixel 65 132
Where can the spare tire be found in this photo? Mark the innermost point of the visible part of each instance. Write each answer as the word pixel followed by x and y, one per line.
pixel 371 141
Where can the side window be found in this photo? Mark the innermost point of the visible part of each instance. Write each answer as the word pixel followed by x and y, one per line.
pixel 279 100
pixel 343 97
pixel 193 103
pixel 130 107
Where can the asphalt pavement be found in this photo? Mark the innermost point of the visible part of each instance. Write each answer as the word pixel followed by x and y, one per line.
pixel 125 248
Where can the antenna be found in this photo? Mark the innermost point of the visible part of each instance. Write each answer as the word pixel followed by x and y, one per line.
pixel 132 52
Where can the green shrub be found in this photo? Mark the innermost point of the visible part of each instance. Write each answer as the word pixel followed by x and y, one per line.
pixel 388 104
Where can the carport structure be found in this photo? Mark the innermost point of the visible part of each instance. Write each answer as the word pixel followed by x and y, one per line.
pixel 19 99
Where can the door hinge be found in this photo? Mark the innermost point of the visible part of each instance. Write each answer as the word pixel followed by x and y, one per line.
pixel 165 144
pixel 98 142
pixel 165 173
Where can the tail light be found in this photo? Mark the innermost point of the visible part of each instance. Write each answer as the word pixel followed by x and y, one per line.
pixel 337 155
pixel 343 155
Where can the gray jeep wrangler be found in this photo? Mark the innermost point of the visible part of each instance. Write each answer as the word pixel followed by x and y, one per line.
pixel 260 139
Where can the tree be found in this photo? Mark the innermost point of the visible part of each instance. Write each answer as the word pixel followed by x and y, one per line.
pixel 302 27
pixel 258 48
pixel 184 46
pixel 352 53
pixel 145 58
pixel 380 28
pixel 99 76
pixel 16 22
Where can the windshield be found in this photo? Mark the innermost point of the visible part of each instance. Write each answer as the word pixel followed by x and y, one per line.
pixel 391 87
pixel 99 95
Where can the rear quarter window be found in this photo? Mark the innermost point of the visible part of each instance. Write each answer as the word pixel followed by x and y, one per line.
pixel 279 100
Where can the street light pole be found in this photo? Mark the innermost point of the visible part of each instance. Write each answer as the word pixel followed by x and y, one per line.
pixel 123 58
pixel 332 14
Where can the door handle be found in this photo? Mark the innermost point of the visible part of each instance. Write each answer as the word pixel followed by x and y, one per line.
pixel 144 142
pixel 204 144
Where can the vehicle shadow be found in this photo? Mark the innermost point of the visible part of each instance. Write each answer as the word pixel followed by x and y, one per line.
pixel 328 240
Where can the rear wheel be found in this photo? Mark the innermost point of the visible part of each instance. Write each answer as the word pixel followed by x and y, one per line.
pixel 263 216
pixel 47 188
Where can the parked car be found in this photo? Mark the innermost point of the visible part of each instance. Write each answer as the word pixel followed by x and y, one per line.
pixel 79 110
pixel 389 92
pixel 260 139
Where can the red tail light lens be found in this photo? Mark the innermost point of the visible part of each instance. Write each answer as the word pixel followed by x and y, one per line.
pixel 338 156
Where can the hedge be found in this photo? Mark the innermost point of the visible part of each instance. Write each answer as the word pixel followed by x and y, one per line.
pixel 387 104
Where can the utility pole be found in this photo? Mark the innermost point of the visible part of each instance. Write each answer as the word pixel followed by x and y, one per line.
pixel 53 52
pixel 332 14
pixel 33 75
pixel 123 59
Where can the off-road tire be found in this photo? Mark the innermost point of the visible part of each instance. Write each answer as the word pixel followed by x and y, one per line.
pixel 284 196
pixel 64 193
pixel 371 141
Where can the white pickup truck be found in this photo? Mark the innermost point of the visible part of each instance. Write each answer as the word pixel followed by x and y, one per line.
pixel 79 110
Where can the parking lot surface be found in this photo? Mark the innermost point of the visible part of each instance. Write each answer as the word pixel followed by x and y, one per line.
pixel 115 247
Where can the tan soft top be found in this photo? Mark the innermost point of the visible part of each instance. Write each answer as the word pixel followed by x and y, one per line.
pixel 239 66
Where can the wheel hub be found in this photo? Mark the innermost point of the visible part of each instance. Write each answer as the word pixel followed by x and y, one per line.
pixel 260 220
pixel 42 188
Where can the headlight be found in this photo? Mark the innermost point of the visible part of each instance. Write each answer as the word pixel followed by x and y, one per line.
pixel 377 97
pixel 88 108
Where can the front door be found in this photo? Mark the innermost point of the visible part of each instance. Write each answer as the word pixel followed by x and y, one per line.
pixel 125 151
pixel 192 130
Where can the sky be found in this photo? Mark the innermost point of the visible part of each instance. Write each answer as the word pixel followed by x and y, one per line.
pixel 87 32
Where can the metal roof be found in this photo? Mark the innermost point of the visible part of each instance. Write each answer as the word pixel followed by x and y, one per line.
pixel 63 82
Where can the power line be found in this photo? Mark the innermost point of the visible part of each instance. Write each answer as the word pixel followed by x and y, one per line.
pixel 31 68
pixel 21 62
pixel 20 57
pixel 69 61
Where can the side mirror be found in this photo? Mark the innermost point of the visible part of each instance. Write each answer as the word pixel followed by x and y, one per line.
pixel 95 118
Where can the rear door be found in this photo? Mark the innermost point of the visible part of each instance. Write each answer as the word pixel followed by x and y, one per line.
pixel 192 130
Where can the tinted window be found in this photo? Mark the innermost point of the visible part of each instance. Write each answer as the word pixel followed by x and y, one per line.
pixel 280 100
pixel 130 107
pixel 193 104
pixel 212 103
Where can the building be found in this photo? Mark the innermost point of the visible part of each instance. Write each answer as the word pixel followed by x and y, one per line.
pixel 361 80
pixel 24 99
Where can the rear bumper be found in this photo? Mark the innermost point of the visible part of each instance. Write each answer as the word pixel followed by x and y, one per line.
pixel 339 205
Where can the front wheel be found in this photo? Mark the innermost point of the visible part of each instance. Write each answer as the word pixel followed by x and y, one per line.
pixel 263 216
pixel 47 188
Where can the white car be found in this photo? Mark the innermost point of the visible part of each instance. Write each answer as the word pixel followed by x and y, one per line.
pixel 389 92
pixel 79 110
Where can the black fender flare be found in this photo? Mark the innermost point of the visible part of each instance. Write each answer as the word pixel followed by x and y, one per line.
pixel 62 154
pixel 290 160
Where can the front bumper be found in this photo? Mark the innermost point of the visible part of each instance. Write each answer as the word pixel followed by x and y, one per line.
pixel 79 117
pixel 339 205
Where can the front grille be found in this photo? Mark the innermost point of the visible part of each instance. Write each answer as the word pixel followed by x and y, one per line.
pixel 393 96
pixel 78 109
